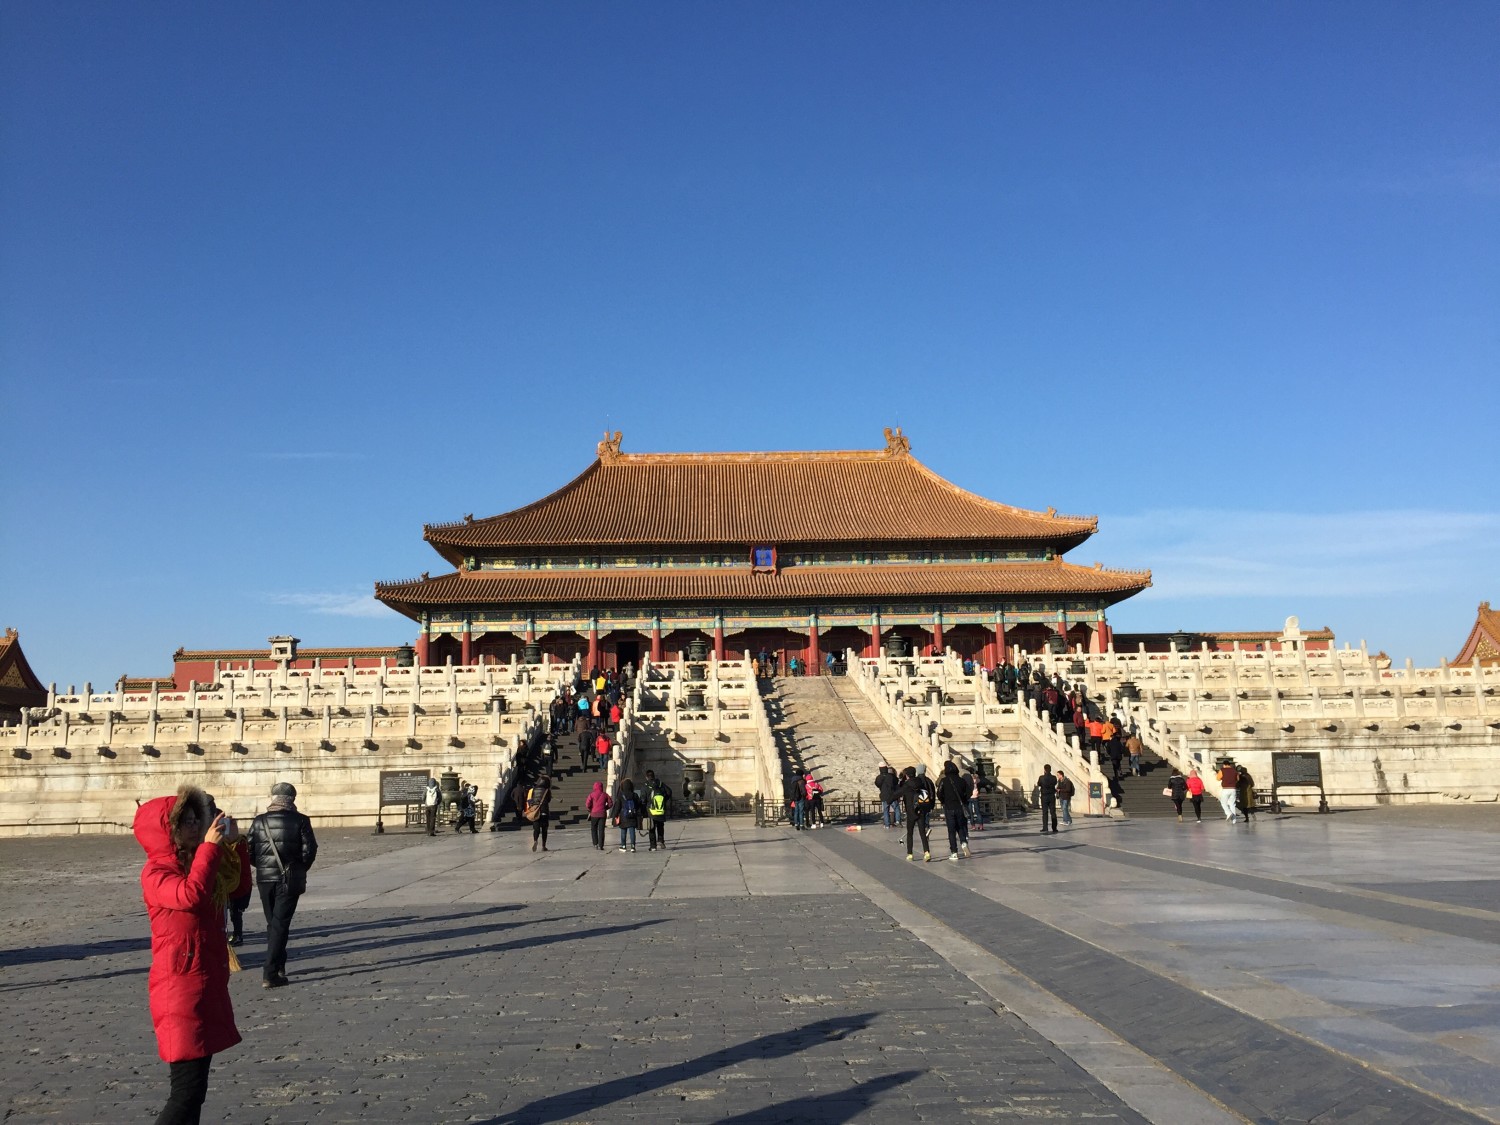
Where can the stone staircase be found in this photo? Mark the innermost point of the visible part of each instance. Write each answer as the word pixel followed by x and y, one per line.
pixel 1142 795
pixel 837 736
pixel 887 743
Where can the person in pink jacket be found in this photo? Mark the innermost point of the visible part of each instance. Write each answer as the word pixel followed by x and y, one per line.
pixel 596 804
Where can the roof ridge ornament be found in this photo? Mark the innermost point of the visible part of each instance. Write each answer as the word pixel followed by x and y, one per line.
pixel 609 448
pixel 896 443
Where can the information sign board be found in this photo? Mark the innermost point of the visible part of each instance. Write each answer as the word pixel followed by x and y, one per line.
pixel 1299 769
pixel 402 787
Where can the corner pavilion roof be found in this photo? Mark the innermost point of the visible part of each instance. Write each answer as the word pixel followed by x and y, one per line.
pixel 1483 643
pixel 650 585
pixel 748 499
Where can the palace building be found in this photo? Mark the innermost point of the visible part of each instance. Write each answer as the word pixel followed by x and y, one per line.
pixel 796 554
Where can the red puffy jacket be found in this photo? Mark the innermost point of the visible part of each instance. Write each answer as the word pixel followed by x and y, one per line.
pixel 189 982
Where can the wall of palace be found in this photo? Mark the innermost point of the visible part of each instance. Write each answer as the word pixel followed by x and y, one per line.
pixel 85 761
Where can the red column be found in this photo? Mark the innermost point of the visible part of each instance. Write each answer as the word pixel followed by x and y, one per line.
pixel 814 659
pixel 937 637
pixel 999 642
pixel 593 650
pixel 1106 635
pixel 656 644
pixel 1062 626
pixel 465 648
pixel 874 650
pixel 719 642
pixel 422 649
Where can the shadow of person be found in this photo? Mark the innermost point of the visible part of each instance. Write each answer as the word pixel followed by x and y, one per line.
pixel 779 1044
pixel 825 1109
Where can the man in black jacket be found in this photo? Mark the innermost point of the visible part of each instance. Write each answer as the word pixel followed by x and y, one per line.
pixel 1046 786
pixel 282 848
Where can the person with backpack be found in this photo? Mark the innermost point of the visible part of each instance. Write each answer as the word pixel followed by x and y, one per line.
pixel 918 796
pixel 627 813
pixel 430 798
pixel 596 804
pixel 539 810
pixel 467 809
pixel 657 798
pixel 794 793
pixel 601 750
pixel 953 795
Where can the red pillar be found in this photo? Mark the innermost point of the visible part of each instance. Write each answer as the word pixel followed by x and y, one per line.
pixel 937 637
pixel 593 649
pixel 814 659
pixel 719 642
pixel 655 644
pixel 999 642
pixel 465 648
pixel 1106 635
pixel 1062 627
pixel 874 649
pixel 422 650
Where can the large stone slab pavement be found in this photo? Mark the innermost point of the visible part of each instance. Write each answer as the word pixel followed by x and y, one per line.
pixel 1311 968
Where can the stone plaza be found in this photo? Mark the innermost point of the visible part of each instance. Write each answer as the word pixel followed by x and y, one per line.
pixel 1333 968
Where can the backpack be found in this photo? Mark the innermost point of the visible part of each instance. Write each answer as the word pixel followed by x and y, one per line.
pixel 656 803
pixel 630 808
pixel 924 794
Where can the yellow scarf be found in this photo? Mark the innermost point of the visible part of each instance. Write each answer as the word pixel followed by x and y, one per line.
pixel 225 884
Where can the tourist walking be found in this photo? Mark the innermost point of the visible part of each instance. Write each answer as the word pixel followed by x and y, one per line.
pixel 971 781
pixel 467 808
pixel 239 899
pixel 188 985
pixel 596 804
pixel 282 848
pixel 1245 793
pixel 539 810
pixel 953 795
pixel 1133 748
pixel 627 813
pixel 1176 788
pixel 657 799
pixel 430 799
pixel 1065 793
pixel 1195 789
pixel 1229 782
pixel 917 797
pixel 1046 787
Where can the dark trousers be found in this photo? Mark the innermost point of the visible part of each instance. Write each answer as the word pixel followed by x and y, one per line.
pixel 917 822
pixel 596 830
pixel 539 829
pixel 958 827
pixel 237 914
pixel 189 1088
pixel 658 837
pixel 279 902
pixel 1049 810
pixel 431 820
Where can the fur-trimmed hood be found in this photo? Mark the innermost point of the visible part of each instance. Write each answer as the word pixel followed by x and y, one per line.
pixel 157 819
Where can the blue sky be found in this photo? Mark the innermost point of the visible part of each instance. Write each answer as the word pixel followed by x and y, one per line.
pixel 279 283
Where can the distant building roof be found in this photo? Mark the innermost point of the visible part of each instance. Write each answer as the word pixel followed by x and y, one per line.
pixel 852 496
pixel 19 686
pixel 1483 643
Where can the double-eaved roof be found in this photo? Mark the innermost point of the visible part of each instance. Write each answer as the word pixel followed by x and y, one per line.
pixel 743 499
pixel 882 500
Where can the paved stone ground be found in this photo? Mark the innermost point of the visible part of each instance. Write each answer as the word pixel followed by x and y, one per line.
pixel 1333 969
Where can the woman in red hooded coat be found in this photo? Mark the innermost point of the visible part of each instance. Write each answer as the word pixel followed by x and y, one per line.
pixel 189 982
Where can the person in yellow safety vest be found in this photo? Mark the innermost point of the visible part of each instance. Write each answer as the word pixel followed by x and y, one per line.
pixel 658 795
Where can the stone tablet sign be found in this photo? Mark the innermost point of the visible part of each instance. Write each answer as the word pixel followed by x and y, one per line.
pixel 402 787
pixel 1298 771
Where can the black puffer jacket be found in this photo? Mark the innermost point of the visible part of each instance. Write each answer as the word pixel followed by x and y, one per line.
pixel 294 838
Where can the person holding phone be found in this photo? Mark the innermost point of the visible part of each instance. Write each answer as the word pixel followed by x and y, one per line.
pixel 189 979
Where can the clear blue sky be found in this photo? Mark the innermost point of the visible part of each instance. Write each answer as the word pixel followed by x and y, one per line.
pixel 280 282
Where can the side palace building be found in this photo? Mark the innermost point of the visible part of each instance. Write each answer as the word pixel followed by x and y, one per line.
pixel 797 554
